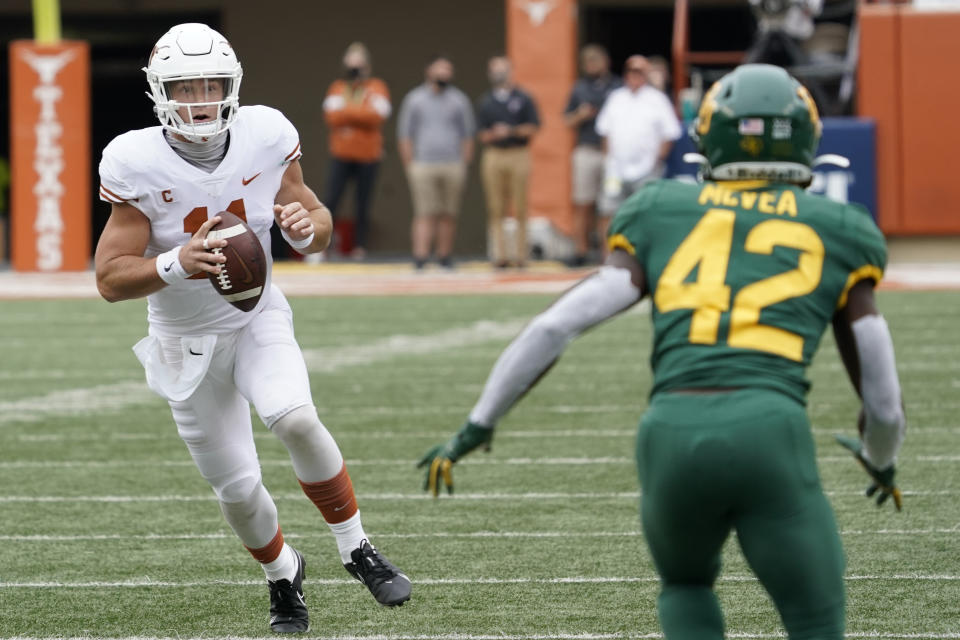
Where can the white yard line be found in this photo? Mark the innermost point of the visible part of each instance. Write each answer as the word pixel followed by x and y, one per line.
pixel 114 397
pixel 611 495
pixel 384 462
pixel 121 464
pixel 147 583
pixel 506 432
pixel 431 535
pixel 68 402
pixel 344 433
pixel 746 635
pixel 332 359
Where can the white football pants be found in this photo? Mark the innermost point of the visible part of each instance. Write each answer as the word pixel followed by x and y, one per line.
pixel 261 365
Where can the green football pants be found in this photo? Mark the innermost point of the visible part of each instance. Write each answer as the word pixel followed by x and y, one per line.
pixel 742 460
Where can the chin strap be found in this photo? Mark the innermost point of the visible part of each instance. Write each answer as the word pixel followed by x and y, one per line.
pixel 827 158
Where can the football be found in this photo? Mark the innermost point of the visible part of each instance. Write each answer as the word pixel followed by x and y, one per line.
pixel 243 275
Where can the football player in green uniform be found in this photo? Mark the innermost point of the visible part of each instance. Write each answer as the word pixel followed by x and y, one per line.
pixel 745 271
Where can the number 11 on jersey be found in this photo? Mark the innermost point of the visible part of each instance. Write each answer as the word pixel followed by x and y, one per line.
pixel 198 215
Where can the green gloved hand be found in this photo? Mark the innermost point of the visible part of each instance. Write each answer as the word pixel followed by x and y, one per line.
pixel 882 481
pixel 439 460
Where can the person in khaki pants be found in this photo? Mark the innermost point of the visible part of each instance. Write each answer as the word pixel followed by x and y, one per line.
pixel 435 139
pixel 507 119
pixel 586 99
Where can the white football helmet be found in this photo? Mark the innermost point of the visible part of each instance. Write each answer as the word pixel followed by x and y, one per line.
pixel 193 51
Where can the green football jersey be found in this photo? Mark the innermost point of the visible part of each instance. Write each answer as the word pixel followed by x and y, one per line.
pixel 744 278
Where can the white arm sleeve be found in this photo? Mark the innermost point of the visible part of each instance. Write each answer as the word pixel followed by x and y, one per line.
pixel 595 299
pixel 882 406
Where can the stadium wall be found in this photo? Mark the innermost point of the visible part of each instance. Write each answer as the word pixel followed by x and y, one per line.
pixel 908 68
pixel 290 55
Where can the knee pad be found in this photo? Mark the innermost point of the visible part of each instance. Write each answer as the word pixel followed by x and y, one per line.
pixel 298 425
pixel 237 487
pixel 313 451
pixel 250 512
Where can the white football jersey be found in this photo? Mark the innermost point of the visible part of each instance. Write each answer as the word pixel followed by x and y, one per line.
pixel 140 168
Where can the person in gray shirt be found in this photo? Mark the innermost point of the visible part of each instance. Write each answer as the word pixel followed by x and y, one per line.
pixel 435 138
pixel 587 97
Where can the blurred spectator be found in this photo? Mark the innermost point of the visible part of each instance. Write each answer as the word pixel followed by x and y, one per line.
pixel 355 108
pixel 507 118
pixel 659 74
pixel 639 127
pixel 586 99
pixel 435 138
pixel 782 27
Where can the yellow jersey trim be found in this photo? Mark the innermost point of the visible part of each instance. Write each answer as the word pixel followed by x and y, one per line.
pixel 619 241
pixel 870 271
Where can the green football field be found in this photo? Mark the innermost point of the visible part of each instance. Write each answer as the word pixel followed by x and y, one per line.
pixel 107 530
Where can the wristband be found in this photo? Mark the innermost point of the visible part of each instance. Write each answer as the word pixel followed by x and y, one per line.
pixel 169 268
pixel 469 437
pixel 297 244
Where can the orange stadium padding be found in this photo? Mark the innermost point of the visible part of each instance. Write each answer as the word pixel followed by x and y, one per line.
pixel 909 63
pixel 50 156
pixel 878 97
pixel 542 44
pixel 930 137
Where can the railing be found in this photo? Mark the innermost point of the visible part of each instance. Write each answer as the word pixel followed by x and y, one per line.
pixel 683 57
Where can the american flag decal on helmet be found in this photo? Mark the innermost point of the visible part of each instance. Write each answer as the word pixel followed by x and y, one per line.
pixel 751 127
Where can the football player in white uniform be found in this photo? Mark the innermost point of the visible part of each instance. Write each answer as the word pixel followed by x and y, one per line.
pixel 208 359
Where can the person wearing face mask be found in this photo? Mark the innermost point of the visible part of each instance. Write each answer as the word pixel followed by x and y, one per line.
pixel 355 108
pixel 587 97
pixel 508 119
pixel 435 138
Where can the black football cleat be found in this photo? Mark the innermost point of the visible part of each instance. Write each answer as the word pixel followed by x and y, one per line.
pixel 389 585
pixel 288 609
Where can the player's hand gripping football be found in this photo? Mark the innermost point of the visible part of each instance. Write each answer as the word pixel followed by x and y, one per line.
pixel 439 460
pixel 881 481
pixel 197 254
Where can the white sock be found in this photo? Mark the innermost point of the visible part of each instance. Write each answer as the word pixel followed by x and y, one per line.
pixel 284 567
pixel 349 535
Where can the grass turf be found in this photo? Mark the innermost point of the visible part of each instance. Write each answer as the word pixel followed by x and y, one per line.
pixel 108 531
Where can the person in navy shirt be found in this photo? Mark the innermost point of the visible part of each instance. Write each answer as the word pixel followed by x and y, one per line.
pixel 507 119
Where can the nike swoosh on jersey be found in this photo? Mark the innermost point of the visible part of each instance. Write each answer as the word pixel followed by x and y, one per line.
pixel 194 353
pixel 247 181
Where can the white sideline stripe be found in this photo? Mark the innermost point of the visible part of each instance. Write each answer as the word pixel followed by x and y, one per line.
pixel 612 495
pixel 106 537
pixel 746 635
pixel 141 583
pixel 113 397
pixel 475 461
